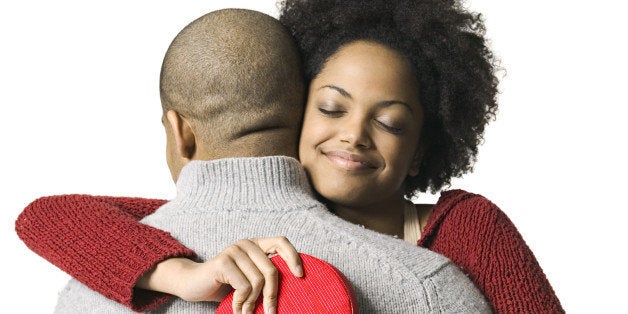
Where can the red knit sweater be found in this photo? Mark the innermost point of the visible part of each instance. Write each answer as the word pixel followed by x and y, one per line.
pixel 99 241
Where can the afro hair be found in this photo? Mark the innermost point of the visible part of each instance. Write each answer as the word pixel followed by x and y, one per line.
pixel 445 44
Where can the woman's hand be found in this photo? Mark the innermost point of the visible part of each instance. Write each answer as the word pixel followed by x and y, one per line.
pixel 243 266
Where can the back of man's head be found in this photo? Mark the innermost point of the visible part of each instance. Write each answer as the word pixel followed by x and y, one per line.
pixel 235 75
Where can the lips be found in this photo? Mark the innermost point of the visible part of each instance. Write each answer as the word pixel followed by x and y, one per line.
pixel 349 161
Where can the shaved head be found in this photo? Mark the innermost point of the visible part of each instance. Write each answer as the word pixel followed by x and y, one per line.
pixel 236 74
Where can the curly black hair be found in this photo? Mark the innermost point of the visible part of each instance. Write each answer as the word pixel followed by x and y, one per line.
pixel 446 46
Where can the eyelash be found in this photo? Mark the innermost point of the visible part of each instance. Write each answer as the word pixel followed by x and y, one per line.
pixel 337 113
pixel 331 113
pixel 389 128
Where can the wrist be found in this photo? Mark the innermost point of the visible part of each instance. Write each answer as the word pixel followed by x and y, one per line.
pixel 168 276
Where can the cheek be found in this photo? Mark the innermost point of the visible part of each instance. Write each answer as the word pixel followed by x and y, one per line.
pixel 307 144
pixel 313 131
pixel 400 155
pixel 307 135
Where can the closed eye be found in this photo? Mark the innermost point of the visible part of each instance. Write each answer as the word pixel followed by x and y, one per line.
pixel 389 128
pixel 331 113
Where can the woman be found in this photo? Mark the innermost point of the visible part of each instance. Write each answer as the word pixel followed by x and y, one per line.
pixel 400 93
pixel 374 131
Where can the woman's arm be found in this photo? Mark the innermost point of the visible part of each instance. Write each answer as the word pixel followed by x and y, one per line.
pixel 99 241
pixel 475 234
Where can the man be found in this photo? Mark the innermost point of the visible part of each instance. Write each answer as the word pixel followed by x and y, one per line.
pixel 232 97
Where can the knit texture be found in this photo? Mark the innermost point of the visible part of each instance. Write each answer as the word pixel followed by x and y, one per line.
pixel 476 235
pixel 76 232
pixel 269 196
pixel 51 225
pixel 99 242
pixel 322 290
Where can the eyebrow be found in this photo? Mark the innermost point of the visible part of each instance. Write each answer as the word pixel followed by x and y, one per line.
pixel 385 103
pixel 340 90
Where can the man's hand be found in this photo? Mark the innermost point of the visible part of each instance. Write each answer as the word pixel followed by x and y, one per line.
pixel 243 266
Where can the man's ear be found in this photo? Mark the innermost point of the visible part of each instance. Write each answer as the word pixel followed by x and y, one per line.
pixel 183 133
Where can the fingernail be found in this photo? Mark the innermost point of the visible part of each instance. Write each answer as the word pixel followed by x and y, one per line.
pixel 300 271
pixel 271 310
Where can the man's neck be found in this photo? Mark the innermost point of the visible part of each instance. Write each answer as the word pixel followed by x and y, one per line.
pixel 260 183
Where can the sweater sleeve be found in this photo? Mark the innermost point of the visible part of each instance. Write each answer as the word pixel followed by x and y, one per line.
pixel 99 241
pixel 480 238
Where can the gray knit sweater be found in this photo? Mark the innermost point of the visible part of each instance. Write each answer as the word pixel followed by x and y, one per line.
pixel 219 202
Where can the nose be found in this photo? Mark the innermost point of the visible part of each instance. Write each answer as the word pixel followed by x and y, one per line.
pixel 355 132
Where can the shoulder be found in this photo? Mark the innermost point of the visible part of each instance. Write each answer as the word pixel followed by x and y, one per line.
pixel 463 200
pixel 461 211
pixel 455 292
pixel 460 204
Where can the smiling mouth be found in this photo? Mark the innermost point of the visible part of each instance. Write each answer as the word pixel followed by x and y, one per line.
pixel 348 161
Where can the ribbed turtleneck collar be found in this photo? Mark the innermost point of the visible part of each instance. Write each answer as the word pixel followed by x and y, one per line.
pixel 276 183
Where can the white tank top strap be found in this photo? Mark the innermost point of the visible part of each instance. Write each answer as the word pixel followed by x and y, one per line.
pixel 411 224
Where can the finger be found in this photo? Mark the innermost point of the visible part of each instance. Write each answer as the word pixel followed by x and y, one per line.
pixel 268 270
pixel 242 253
pixel 230 273
pixel 285 249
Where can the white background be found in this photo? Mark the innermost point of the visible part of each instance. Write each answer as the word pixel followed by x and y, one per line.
pixel 80 113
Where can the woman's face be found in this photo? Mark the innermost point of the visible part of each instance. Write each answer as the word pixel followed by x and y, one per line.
pixel 362 124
